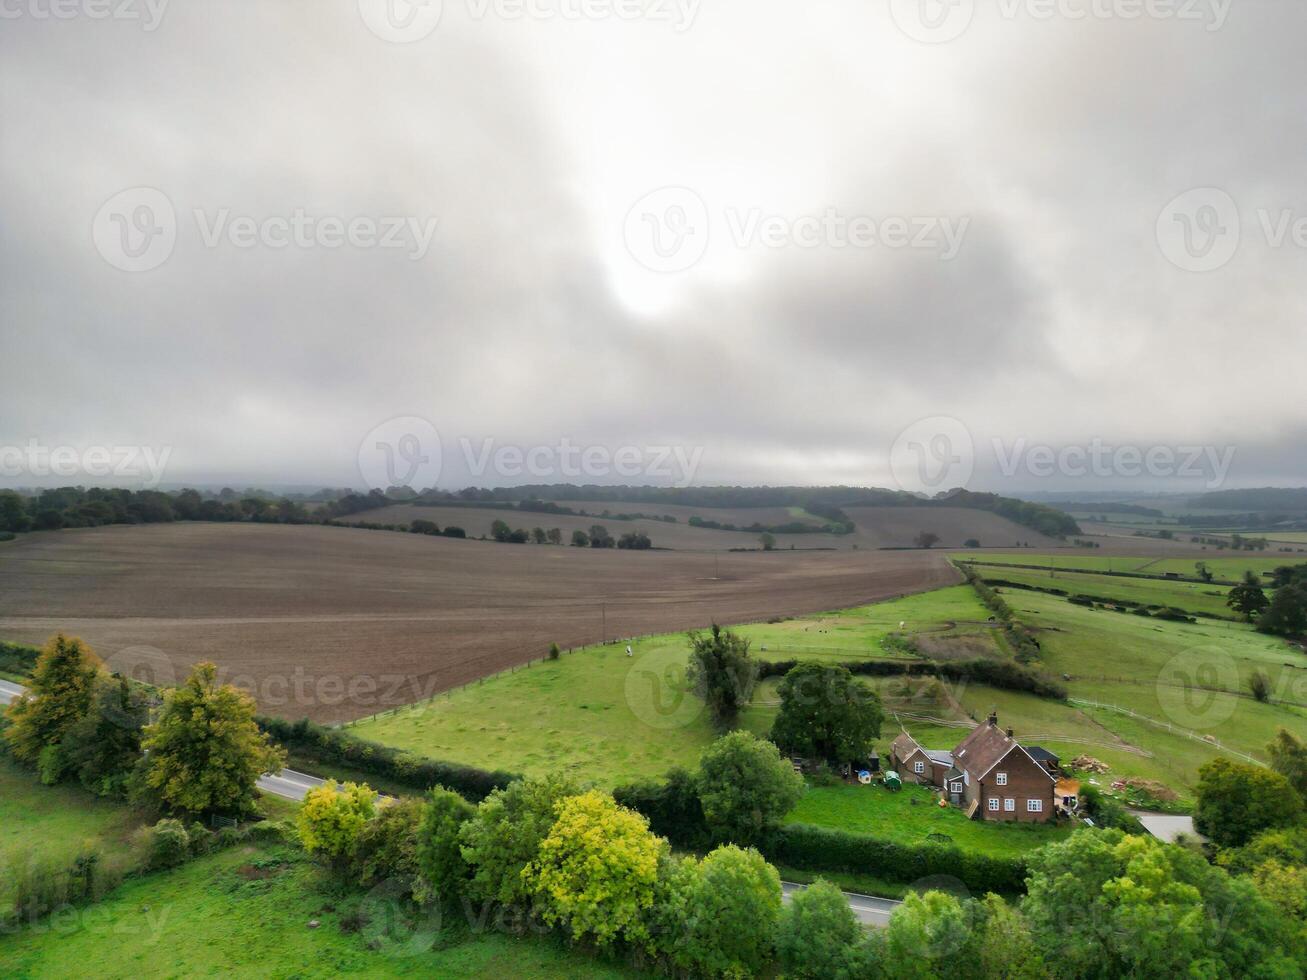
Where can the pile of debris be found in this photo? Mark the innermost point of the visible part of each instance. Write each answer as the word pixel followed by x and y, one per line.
pixel 1087 763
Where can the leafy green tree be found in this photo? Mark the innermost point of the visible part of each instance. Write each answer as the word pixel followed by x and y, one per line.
pixel 1235 802
pixel 596 869
pixel 817 932
pixel 580 539
pixel 538 535
pixel 733 914
pixel 1101 904
pixel 104 746
pixel 1289 758
pixel 58 696
pixel 668 920
pixel 826 713
pixel 332 817
pixel 926 937
pixel 1004 945
pixel 745 787
pixel 504 836
pixel 599 537
pixel 767 540
pixel 1287 613
pixel 205 753
pixel 554 535
pixel 444 873
pixel 1247 598
pixel 387 847
pixel 926 539
pixel 500 531
pixel 722 673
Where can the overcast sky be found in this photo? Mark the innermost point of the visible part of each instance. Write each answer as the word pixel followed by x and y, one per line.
pixel 737 240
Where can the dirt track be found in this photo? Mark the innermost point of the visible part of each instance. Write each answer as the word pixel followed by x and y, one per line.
pixel 335 623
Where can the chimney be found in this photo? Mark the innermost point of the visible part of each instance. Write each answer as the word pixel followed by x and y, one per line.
pixel 1009 733
pixel 993 719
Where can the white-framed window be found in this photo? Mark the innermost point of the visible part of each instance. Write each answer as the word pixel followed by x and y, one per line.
pixel 957 787
pixel 1001 778
pixel 1009 804
pixel 918 767
pixel 1035 806
pixel 993 803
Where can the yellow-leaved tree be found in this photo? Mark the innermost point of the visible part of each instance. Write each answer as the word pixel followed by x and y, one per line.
pixel 332 817
pixel 59 694
pixel 596 869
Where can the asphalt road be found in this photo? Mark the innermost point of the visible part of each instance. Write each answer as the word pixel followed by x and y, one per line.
pixel 870 910
pixel 293 785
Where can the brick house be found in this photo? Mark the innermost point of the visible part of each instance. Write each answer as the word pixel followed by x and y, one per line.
pixel 989 774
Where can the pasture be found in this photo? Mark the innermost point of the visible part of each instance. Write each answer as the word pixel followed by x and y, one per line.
pixel 1193 597
pixel 607 718
pixel 245 912
pixel 55 822
pixel 337 623
pixel 1224 566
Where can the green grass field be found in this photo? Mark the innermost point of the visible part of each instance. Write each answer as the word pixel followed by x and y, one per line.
pixel 609 719
pixel 910 815
pixel 245 912
pixel 57 821
pixel 1193 597
pixel 1222 564
pixel 1187 676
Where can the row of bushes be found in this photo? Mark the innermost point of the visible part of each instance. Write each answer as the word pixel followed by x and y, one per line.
pixel 1024 646
pixel 1081 599
pixel 333 745
pixel 824 849
pixel 996 673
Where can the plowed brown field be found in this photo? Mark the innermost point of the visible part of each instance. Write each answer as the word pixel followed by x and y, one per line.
pixel 336 623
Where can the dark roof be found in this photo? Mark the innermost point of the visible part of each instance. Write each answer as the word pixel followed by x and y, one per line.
pixel 1041 754
pixel 904 745
pixel 939 756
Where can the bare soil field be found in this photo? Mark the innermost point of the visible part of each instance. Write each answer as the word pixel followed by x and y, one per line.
pixel 336 623
pixel 898 527
pixel 476 522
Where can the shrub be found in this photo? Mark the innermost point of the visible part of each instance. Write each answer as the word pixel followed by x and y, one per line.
pixel 1260 685
pixel 387 846
pixel 443 874
pixel 672 807
pixel 331 818
pixel 596 869
pixel 734 911
pixel 168 845
pixel 825 849
pixel 745 787
pixel 817 931
pixel 504 836
pixel 201 839
pixel 554 652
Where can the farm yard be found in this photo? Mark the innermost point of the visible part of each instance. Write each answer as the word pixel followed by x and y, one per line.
pixel 336 623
